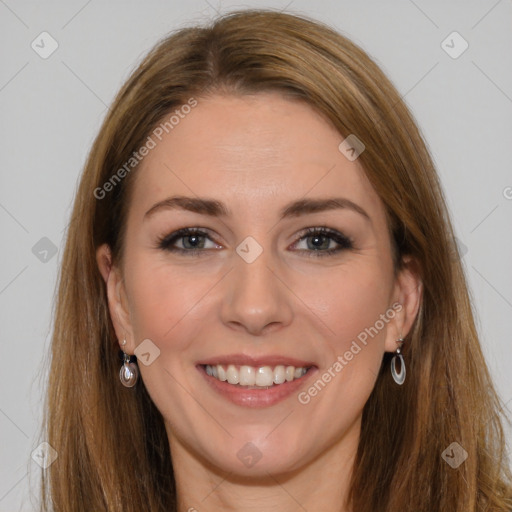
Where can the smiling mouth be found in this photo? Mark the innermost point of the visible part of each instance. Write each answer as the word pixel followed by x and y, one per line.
pixel 252 377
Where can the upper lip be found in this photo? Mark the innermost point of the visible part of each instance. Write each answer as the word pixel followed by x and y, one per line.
pixel 247 360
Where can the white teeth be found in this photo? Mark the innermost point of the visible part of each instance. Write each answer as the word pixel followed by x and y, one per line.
pixel 279 374
pixel 247 375
pixel 232 374
pixel 221 373
pixel 263 376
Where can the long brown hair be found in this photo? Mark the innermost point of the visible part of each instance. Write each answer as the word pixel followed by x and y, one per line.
pixel 113 452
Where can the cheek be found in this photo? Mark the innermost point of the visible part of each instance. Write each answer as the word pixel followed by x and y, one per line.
pixel 356 309
pixel 164 300
pixel 352 303
pixel 354 306
pixel 167 299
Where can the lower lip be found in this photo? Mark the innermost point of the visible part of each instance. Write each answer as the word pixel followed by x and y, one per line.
pixel 256 398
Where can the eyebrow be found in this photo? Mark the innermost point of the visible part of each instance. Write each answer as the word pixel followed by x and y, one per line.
pixel 215 208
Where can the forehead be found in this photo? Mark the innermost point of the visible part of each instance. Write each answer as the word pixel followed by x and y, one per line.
pixel 254 153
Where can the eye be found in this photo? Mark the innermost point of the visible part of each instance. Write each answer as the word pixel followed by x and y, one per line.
pixel 319 240
pixel 193 241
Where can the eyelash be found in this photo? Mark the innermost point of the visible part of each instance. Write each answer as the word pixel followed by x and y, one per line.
pixel 165 242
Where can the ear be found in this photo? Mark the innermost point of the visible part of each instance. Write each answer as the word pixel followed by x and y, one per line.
pixel 407 296
pixel 117 299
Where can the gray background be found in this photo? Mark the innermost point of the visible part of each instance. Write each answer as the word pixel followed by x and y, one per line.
pixel 50 110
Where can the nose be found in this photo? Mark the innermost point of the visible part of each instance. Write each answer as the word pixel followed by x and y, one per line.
pixel 256 297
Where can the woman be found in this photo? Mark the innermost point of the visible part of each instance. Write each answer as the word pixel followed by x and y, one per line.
pixel 260 234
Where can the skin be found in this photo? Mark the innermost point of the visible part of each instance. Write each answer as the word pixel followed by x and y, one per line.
pixel 256 154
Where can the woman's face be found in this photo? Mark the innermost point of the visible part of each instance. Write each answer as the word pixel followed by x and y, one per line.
pixel 254 292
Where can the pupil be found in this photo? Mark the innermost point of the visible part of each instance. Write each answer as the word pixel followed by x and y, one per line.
pixel 193 239
pixel 317 241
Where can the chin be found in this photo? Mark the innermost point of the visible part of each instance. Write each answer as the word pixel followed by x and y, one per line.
pixel 257 456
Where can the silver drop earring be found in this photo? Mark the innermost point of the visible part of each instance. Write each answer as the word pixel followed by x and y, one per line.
pixel 398 377
pixel 129 372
